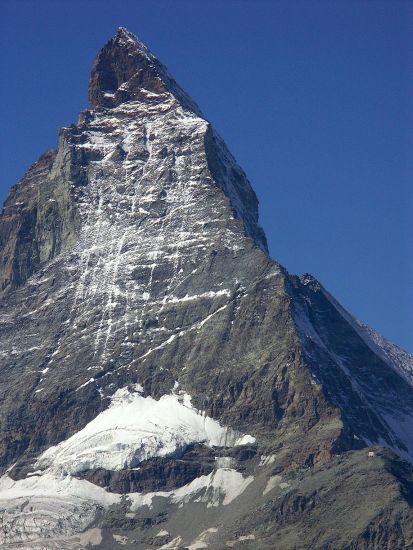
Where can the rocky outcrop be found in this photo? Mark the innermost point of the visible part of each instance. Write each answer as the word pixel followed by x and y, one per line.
pixel 353 502
pixel 125 70
pixel 19 251
pixel 39 219
pixel 156 474
pixel 134 273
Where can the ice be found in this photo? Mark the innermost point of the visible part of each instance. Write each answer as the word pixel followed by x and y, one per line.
pixel 50 501
pixel 51 505
pixel 60 486
pixel 245 440
pixel 48 506
pixel 135 428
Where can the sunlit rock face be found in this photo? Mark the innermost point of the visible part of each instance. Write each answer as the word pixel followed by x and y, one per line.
pixel 163 381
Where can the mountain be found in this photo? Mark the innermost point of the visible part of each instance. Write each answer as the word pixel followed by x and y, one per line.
pixel 164 383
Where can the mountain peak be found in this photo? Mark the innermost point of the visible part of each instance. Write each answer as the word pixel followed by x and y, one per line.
pixel 123 32
pixel 122 67
pixel 156 364
pixel 126 70
pixel 128 42
pixel 128 38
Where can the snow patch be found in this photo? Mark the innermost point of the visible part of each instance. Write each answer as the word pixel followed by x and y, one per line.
pixel 220 487
pixel 266 460
pixel 48 506
pixel 174 544
pixel 272 484
pixel 135 428
pixel 53 505
pixel 201 540
pixel 242 538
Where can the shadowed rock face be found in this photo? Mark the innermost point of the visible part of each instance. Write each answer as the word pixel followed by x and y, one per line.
pixel 133 267
pixel 38 222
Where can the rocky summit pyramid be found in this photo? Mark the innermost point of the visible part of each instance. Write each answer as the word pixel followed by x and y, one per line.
pixel 163 382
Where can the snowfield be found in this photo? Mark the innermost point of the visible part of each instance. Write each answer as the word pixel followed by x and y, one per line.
pixel 135 428
pixel 51 502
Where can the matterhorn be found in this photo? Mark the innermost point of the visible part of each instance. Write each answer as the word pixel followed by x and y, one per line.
pixel 164 383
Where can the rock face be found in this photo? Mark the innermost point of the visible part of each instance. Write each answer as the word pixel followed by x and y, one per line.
pixel 164 383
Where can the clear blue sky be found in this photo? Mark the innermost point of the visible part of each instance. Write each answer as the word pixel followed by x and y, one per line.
pixel 314 98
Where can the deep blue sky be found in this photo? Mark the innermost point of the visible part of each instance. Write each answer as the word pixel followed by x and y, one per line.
pixel 314 98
